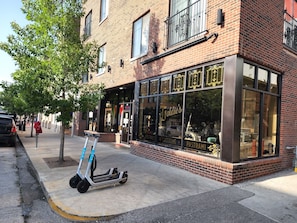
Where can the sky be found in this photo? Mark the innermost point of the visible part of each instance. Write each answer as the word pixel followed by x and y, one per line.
pixel 9 12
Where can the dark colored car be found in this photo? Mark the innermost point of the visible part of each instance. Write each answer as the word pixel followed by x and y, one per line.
pixel 8 130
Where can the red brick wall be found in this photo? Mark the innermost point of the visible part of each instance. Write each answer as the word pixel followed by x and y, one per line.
pixel 205 166
pixel 116 32
pixel 261 41
pixel 252 30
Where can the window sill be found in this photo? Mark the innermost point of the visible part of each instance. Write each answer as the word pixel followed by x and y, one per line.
pixel 103 20
pixel 137 57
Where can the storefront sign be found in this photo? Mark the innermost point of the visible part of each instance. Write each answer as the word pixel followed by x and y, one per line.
pixel 197 145
pixel 168 112
pixel 170 140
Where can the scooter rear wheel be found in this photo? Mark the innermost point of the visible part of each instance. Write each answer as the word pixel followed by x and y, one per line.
pixel 83 186
pixel 74 181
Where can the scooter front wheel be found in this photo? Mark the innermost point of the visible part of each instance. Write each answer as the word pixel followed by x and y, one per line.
pixel 83 186
pixel 74 181
pixel 125 176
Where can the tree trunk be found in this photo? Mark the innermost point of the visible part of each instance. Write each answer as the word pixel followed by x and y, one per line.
pixel 32 124
pixel 62 139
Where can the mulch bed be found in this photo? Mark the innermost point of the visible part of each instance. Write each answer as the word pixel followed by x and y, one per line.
pixel 53 162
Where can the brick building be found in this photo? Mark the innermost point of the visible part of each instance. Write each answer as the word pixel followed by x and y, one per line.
pixel 207 85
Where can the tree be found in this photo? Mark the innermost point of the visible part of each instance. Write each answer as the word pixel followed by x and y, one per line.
pixel 52 59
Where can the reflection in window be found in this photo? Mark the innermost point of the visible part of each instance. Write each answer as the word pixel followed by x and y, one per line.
pixel 249 124
pixel 140 36
pixel 273 83
pixel 103 9
pixel 170 119
pixel 262 79
pixel 101 60
pixel 147 119
pixel 248 75
pixel 203 119
pixel 88 23
pixel 259 116
pixel 269 125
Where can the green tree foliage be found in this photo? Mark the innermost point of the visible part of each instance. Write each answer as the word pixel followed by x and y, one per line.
pixel 52 58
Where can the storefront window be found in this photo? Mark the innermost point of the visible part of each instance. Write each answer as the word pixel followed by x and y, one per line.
pixel 147 119
pixel 259 117
pixel 183 110
pixel 273 83
pixel 269 125
pixel 249 124
pixel 170 119
pixel 248 75
pixel 262 79
pixel 203 120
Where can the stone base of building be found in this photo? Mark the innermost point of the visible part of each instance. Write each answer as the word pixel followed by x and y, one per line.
pixel 229 173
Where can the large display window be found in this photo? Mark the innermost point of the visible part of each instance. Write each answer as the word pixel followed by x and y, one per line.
pixel 191 110
pixel 259 116
pixel 147 121
pixel 203 121
pixel 183 110
pixel 170 120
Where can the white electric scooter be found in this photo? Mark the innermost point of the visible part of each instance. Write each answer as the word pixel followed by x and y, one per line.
pixel 111 177
pixel 79 176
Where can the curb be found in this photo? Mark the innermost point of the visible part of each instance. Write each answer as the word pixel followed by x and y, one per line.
pixel 52 205
pixel 68 216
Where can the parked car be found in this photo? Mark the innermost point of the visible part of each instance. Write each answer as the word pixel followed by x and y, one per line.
pixel 8 130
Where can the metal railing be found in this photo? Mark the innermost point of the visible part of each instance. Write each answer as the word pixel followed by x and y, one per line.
pixel 186 23
pixel 290 31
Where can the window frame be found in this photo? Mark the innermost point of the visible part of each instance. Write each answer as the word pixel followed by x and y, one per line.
pixel 88 25
pixel 101 59
pixel 152 90
pixel 263 94
pixel 104 5
pixel 290 21
pixel 142 43
pixel 178 27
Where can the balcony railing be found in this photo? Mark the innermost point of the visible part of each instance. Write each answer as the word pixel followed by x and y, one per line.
pixel 186 24
pixel 290 31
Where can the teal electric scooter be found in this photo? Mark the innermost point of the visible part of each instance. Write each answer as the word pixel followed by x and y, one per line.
pixel 73 182
pixel 111 177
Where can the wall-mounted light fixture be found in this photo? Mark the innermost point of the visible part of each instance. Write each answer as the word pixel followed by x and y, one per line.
pixel 121 63
pixel 109 69
pixel 220 17
pixel 154 47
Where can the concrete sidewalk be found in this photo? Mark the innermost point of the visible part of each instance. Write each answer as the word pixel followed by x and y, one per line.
pixel 149 183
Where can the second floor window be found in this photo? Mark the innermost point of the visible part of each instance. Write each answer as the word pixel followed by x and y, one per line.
pixel 101 60
pixel 290 24
pixel 103 9
pixel 140 36
pixel 88 23
pixel 187 19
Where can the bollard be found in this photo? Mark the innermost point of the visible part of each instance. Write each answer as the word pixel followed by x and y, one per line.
pixel 295 158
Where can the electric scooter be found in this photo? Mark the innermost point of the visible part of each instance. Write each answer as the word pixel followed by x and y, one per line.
pixel 79 176
pixel 111 177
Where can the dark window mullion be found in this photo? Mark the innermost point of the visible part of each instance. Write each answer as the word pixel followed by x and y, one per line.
pixel 260 137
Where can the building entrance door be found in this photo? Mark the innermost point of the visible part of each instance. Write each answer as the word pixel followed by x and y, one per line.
pixel 126 119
